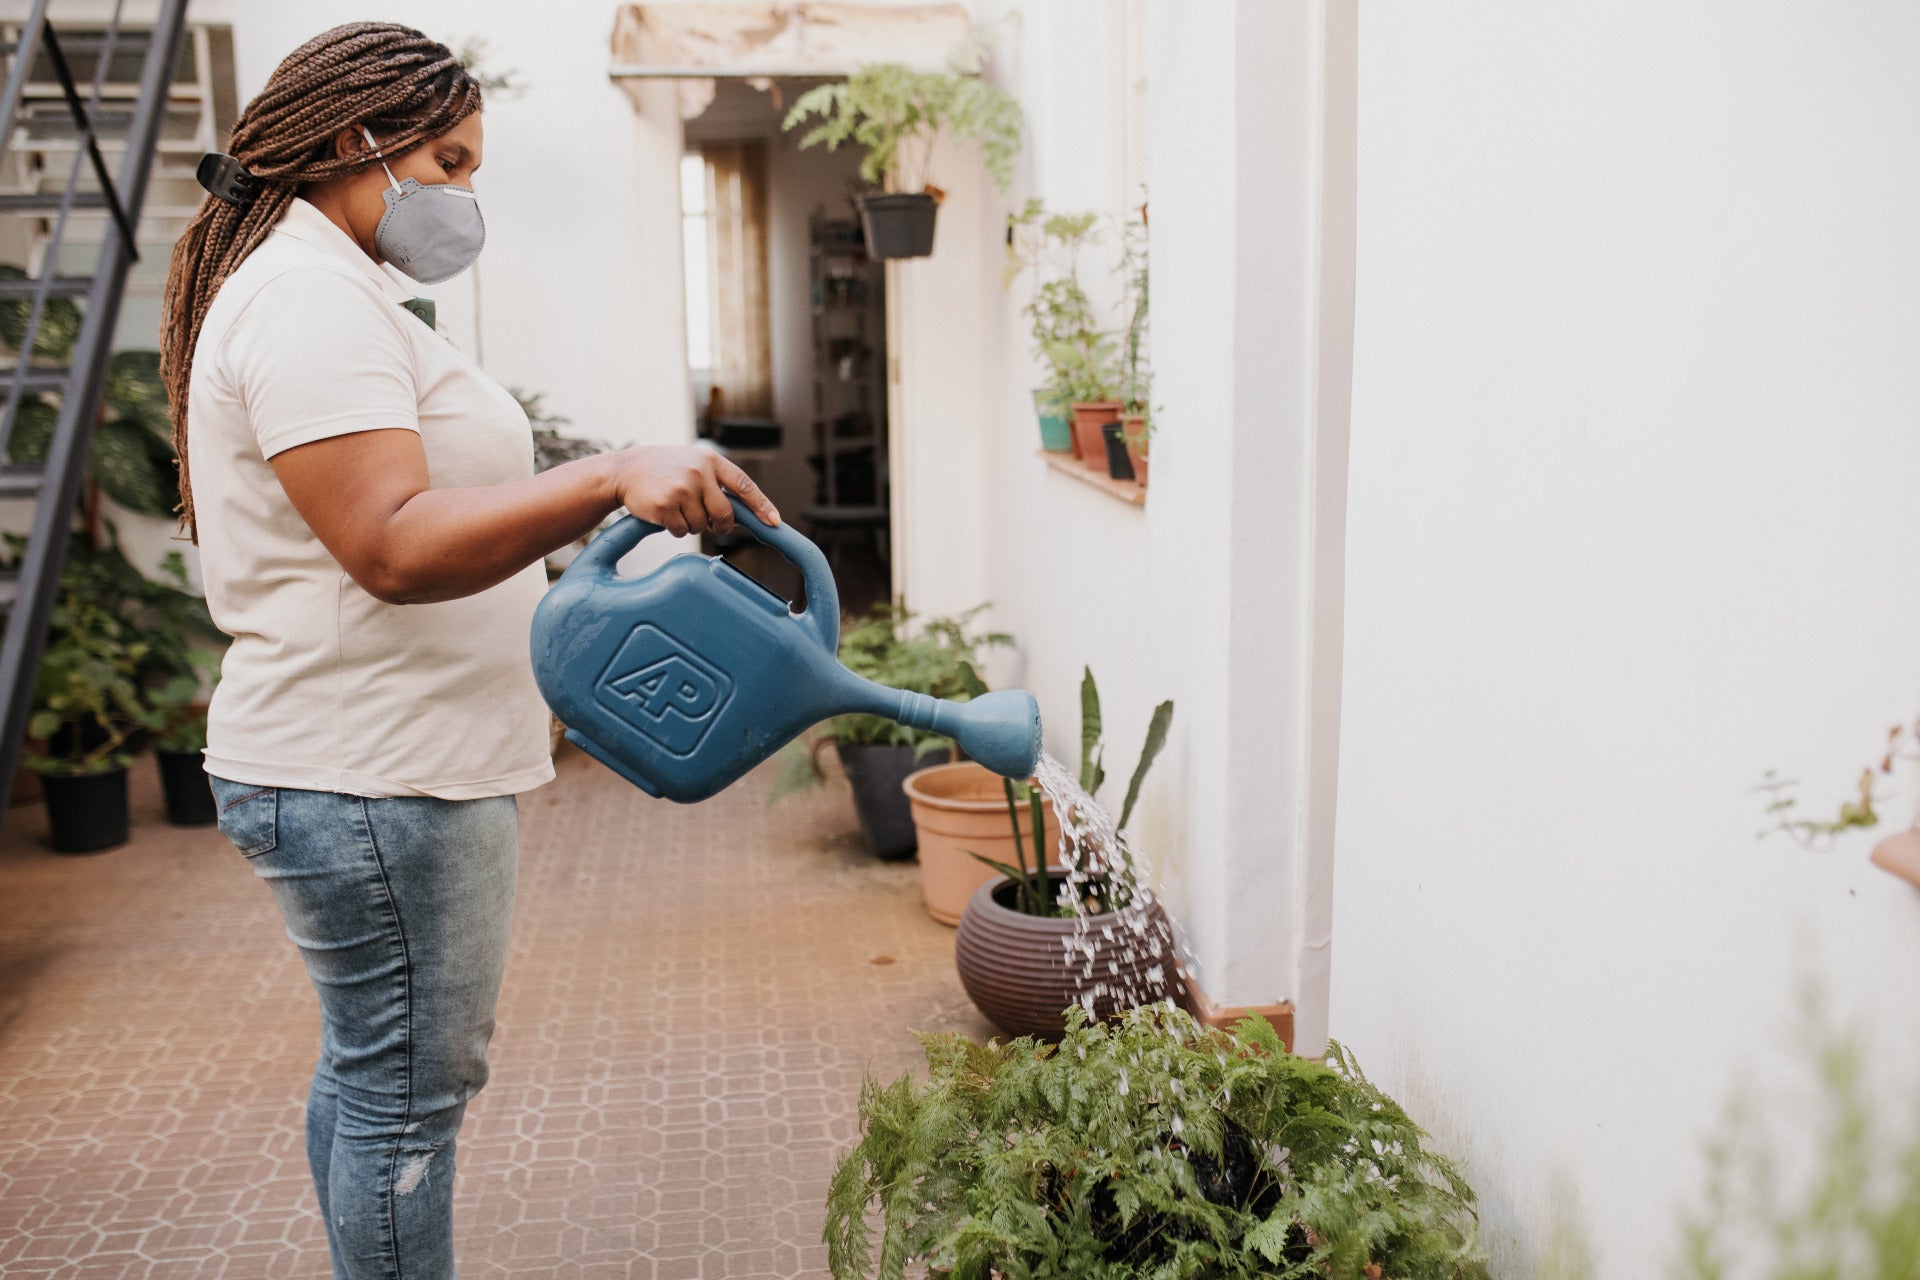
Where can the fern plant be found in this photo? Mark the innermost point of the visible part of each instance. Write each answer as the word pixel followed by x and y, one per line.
pixel 1144 1147
pixel 898 114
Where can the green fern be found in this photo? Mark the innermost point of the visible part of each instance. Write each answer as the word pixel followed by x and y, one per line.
pixel 1146 1147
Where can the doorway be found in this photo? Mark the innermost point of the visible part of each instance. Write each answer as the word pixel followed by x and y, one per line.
pixel 786 334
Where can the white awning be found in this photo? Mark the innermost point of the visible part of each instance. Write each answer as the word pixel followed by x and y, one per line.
pixel 695 43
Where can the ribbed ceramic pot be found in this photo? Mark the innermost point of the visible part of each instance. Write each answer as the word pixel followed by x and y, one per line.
pixel 963 806
pixel 1015 968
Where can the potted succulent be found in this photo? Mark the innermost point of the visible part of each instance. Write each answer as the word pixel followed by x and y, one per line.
pixel 898 114
pixel 86 707
pixel 1035 938
pixel 1059 313
pixel 1150 1147
pixel 939 658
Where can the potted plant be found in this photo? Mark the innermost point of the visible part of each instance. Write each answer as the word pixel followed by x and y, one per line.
pixel 176 721
pixel 1059 313
pixel 1035 939
pixel 1136 370
pixel 1152 1147
pixel 940 659
pixel 960 815
pixel 86 707
pixel 898 114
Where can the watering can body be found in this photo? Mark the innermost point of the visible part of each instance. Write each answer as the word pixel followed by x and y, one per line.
pixel 684 679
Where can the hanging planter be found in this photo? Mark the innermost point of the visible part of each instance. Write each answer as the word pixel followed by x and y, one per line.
pixel 897 114
pixel 899 226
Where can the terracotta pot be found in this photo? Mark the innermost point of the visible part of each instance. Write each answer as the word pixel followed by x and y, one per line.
pixel 962 806
pixel 1088 444
pixel 1015 967
pixel 1131 426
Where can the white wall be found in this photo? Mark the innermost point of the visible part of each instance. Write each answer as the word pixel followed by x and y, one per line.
pixel 1632 481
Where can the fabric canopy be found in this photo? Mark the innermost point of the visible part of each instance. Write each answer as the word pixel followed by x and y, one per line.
pixel 695 42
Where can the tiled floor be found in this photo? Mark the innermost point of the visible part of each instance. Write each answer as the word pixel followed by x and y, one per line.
pixel 693 996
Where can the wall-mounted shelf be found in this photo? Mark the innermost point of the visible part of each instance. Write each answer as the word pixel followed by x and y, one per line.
pixel 1125 490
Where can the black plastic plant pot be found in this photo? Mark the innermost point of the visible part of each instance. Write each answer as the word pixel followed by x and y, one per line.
pixel 183 781
pixel 1119 465
pixel 898 226
pixel 876 771
pixel 86 812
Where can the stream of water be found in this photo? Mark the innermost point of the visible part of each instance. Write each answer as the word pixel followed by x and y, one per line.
pixel 1104 951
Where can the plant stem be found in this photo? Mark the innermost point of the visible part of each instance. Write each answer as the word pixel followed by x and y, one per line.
pixel 1025 889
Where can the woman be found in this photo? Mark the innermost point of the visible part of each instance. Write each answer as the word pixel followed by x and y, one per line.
pixel 371 533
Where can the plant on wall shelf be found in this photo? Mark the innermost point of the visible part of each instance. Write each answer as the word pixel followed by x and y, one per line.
pixel 1136 367
pixel 899 115
pixel 1146 1147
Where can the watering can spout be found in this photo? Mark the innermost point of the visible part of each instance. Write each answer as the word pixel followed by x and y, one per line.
pixel 999 730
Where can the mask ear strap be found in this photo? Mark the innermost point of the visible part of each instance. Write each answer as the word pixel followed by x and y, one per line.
pixel 378 156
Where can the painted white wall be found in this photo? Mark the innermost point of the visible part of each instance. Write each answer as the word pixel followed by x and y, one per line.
pixel 1632 474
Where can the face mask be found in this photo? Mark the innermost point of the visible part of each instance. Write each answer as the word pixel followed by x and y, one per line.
pixel 431 233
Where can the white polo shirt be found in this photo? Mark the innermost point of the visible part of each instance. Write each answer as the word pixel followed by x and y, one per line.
pixel 326 688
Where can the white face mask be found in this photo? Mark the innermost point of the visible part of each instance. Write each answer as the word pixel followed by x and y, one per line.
pixel 432 233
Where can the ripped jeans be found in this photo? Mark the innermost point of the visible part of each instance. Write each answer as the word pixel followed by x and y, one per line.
pixel 400 907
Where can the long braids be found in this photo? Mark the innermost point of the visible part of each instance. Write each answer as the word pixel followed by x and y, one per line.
pixel 405 87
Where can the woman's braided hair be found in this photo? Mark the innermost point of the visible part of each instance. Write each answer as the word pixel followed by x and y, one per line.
pixel 404 87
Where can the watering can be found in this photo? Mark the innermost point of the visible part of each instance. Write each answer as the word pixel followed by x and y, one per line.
pixel 682 680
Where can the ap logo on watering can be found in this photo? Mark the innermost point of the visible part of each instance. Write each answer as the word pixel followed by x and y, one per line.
pixel 659 687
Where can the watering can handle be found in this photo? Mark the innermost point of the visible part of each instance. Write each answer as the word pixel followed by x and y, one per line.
pixel 822 614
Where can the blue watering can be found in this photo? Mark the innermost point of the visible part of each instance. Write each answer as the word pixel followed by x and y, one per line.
pixel 682 680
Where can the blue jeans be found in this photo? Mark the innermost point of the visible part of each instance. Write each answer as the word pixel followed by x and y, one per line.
pixel 400 908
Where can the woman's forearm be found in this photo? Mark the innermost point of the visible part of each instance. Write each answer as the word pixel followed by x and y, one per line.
pixel 442 544
pixel 368 498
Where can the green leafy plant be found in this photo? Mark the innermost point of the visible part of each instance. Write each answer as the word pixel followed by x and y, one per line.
pixel 1860 813
pixel 131 455
pixel 475 53
pixel 86 700
pixel 1145 1147
pixel 551 446
pixel 1033 887
pixel 939 658
pixel 108 614
pixel 898 114
pixel 1136 369
pixel 1082 360
pixel 1854 1214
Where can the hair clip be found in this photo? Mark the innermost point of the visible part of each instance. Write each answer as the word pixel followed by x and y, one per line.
pixel 226 178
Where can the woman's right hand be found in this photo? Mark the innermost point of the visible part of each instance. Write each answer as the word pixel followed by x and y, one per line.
pixel 684 489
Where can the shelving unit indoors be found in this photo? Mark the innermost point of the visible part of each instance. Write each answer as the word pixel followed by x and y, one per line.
pixel 849 370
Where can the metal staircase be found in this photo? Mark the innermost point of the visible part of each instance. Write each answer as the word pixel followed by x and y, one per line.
pixel 27 592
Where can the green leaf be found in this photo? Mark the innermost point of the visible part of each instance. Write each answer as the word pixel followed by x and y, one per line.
pixel 32 432
pixel 135 468
pixel 59 322
pixel 1091 772
pixel 1149 751
pixel 797 772
pixel 134 391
